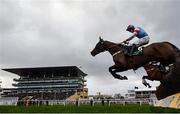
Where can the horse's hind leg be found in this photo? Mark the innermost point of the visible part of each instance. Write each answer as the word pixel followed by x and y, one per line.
pixel 114 69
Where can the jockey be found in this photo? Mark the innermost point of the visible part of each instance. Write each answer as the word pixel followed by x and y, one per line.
pixel 139 33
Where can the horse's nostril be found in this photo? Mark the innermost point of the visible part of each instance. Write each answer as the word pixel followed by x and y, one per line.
pixel 93 53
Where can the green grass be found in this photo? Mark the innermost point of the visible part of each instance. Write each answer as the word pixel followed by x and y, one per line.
pixel 87 109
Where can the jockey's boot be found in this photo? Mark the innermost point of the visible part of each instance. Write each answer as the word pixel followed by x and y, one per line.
pixel 132 50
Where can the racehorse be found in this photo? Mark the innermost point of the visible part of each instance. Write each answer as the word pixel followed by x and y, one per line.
pixel 169 76
pixel 164 52
pixel 170 84
pixel 155 71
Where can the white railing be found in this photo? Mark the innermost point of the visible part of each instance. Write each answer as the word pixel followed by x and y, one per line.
pixel 77 102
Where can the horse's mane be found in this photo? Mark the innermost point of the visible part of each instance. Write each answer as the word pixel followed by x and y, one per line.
pixel 118 44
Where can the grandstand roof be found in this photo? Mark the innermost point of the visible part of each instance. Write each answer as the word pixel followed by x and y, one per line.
pixel 74 70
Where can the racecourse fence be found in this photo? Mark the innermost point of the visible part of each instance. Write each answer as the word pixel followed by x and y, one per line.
pixel 36 102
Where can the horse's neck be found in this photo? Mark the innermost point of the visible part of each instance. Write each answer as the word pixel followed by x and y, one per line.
pixel 112 48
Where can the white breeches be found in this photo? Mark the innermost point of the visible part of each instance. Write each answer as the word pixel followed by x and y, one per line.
pixel 142 41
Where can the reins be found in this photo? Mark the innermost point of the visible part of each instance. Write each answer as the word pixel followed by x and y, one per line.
pixel 117 53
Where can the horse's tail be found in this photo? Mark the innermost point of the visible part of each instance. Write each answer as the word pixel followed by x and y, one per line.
pixel 176 48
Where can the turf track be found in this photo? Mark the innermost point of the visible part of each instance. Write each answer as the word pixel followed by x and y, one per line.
pixel 87 109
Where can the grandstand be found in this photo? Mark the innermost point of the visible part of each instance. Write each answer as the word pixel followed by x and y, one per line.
pixel 145 93
pixel 131 94
pixel 47 83
pixel 140 94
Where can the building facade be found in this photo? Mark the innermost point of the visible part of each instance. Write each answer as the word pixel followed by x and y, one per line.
pixel 145 93
pixel 141 94
pixel 47 83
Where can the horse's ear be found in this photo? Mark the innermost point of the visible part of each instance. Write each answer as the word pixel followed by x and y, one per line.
pixel 100 39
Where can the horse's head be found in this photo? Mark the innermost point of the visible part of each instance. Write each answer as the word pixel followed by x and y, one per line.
pixel 153 71
pixel 99 47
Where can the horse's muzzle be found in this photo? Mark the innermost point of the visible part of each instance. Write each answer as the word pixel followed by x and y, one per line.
pixel 92 53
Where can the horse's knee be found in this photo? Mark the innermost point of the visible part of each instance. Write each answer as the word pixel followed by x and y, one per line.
pixel 115 76
pixel 144 77
pixel 110 70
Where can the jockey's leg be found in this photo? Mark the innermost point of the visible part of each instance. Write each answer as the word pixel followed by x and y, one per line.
pixel 142 41
pixel 132 49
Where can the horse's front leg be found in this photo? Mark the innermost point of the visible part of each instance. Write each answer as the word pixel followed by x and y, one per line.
pixel 145 82
pixel 114 69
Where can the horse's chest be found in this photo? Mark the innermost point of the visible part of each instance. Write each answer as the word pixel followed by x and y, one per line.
pixel 119 60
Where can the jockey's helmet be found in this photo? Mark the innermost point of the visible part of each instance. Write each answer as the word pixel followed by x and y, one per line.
pixel 130 28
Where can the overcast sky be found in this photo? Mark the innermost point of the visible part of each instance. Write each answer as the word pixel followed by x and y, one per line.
pixel 37 33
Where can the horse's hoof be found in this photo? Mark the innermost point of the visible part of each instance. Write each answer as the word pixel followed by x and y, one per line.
pixel 145 84
pixel 125 78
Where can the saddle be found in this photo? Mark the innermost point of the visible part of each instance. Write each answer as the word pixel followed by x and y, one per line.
pixel 136 51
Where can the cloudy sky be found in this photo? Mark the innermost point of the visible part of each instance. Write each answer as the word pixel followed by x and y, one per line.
pixel 37 33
